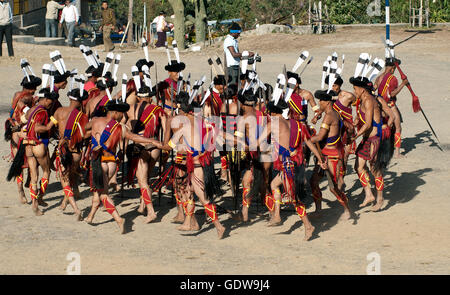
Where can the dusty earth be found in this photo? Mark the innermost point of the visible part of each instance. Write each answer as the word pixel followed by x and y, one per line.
pixel 411 233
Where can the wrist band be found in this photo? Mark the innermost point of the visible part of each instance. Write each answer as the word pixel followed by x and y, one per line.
pixel 54 121
pixel 316 108
pixel 171 144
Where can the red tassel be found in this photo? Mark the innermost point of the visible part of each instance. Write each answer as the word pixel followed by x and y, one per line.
pixel 416 104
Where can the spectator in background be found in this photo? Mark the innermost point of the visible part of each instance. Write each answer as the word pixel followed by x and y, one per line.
pixel 161 28
pixel 71 17
pixel 6 19
pixel 231 48
pixel 108 24
pixel 51 18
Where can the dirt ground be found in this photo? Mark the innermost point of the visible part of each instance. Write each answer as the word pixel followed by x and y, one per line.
pixel 411 233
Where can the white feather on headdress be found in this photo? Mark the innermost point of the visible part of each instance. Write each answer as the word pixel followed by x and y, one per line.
pixel 360 65
pixel 136 77
pixel 124 87
pixel 279 87
pixel 303 57
pixel 73 73
pixel 52 77
pixel 145 47
pixel 196 88
pixel 292 83
pixel 108 62
pixel 23 66
pixel 145 71
pixel 332 79
pixel 325 69
pixel 46 68
pixel 245 55
pixel 58 61
pixel 116 66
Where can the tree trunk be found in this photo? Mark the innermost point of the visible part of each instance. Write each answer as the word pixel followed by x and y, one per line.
pixel 179 29
pixel 130 21
pixel 200 21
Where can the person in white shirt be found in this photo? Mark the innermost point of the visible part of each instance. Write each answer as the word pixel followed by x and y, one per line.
pixel 161 25
pixel 71 17
pixel 6 19
pixel 51 18
pixel 233 57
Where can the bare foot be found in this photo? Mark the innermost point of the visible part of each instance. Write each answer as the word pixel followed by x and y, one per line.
pixel 220 231
pixel 308 232
pixel 346 215
pixel 178 219
pixel 367 201
pixel 275 221
pixel 78 216
pixel 184 227
pixel 141 209
pixel 88 220
pixel 121 224
pixel 63 206
pixel 150 218
pixel 22 198
pixel 378 205
pixel 399 156
pixel 37 212
pixel 194 225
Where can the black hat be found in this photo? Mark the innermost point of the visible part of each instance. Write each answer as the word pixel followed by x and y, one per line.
pixel 230 91
pixel 235 28
pixel 362 82
pixel 61 78
pixel 175 67
pixel 390 62
pixel 294 75
pixel 74 94
pixel 278 108
pixel 106 82
pixel 324 96
pixel 117 106
pixel 145 91
pixel 142 62
pixel 95 72
pixel 220 80
pixel 338 81
pixel 247 98
pixel 45 93
pixel 32 84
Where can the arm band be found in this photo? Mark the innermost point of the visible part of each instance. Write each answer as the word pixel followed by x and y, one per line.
pixel 54 121
pixel 316 108
pixel 325 126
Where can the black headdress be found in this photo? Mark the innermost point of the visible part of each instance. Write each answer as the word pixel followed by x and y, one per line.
pixel 175 66
pixel 362 82
pixel 34 82
pixel 323 95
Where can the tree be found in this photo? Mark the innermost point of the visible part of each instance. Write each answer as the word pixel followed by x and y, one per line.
pixel 200 20
pixel 130 21
pixel 179 29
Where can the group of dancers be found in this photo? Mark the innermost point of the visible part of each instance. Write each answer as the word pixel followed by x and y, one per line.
pixel 264 136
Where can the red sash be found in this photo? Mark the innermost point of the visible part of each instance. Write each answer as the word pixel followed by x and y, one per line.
pixel 150 119
pixel 383 89
pixel 39 115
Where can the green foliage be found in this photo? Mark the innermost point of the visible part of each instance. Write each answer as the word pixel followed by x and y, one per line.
pixel 278 11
